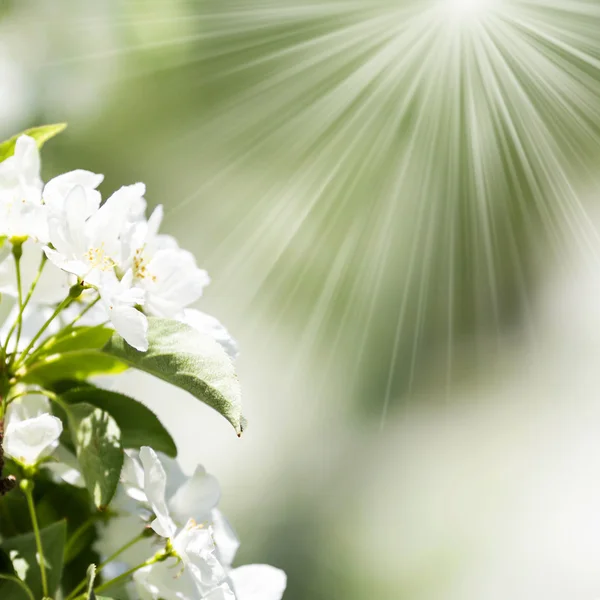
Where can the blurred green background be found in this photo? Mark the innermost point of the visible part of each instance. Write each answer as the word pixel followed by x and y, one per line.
pixel 396 202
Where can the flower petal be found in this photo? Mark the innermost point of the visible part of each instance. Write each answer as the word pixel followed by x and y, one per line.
pixel 195 546
pixel 131 324
pixel 155 484
pixel 30 440
pixel 196 497
pixel 226 540
pixel 210 326
pixel 258 582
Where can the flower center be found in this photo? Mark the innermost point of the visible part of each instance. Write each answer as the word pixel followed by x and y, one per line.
pixel 140 265
pixel 98 259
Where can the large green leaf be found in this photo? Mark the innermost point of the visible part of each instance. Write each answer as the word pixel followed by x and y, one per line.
pixel 190 360
pixel 78 364
pixel 40 134
pixel 138 424
pixel 97 440
pixel 22 551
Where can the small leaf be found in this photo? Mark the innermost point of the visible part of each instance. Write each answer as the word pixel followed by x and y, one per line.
pixel 40 134
pixel 138 424
pixel 78 364
pixel 97 440
pixel 189 360
pixel 78 338
pixel 22 551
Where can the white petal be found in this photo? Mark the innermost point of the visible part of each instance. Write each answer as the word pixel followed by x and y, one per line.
pixel 67 468
pixel 74 266
pixel 112 217
pixel 131 324
pixel 132 477
pixel 161 581
pixel 175 475
pixel 226 540
pixel 154 221
pixel 210 326
pixel 258 582
pixel 196 497
pixel 27 156
pixel 27 407
pixel 75 215
pixel 195 546
pixel 223 592
pixel 57 189
pixel 28 441
pixel 155 483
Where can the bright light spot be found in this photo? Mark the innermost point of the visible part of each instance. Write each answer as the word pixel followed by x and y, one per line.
pixel 467 9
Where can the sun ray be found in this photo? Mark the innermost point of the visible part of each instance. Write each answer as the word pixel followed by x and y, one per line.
pixel 392 167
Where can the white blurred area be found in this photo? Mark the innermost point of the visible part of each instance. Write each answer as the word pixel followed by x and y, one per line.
pixel 494 492
pixel 491 491
pixel 41 71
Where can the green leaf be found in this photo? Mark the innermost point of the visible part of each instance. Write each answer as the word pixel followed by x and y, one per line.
pixel 78 364
pixel 22 551
pixel 190 360
pixel 78 338
pixel 138 424
pixel 97 440
pixel 40 134
pixel 64 501
pixel 6 565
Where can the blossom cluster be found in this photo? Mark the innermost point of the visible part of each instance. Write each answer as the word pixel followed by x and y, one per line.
pixel 156 505
pixel 109 292
pixel 108 247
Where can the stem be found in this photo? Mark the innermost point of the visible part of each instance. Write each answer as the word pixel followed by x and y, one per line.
pixel 82 313
pixel 63 331
pixel 21 303
pixel 78 533
pixel 17 253
pixel 20 582
pixel 27 299
pixel 112 557
pixel 52 396
pixel 45 326
pixel 27 488
pixel 125 575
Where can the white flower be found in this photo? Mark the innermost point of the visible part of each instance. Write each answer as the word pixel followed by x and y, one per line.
pixel 90 245
pixel 258 582
pixel 57 189
pixel 193 544
pixel 21 213
pixel 30 440
pixel 213 327
pixel 119 300
pixel 200 575
pixel 162 487
pixel 194 499
pixel 169 276
pixel 250 582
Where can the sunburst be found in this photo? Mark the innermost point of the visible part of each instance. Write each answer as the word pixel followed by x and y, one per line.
pixel 392 167
pixel 415 150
